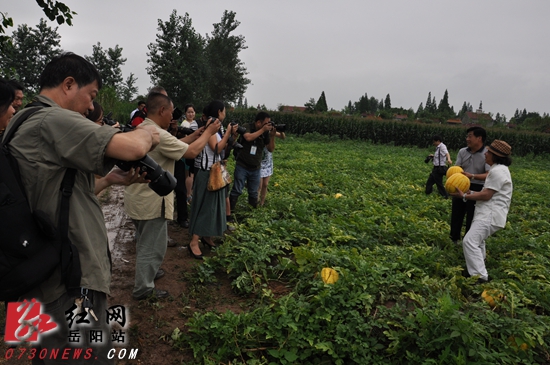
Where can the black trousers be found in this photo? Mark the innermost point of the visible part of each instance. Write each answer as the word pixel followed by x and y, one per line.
pixel 181 192
pixel 436 177
pixel 459 210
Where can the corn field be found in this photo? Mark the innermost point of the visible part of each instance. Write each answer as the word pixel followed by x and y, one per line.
pixel 398 133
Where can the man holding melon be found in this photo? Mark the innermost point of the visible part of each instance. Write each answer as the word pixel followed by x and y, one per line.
pixel 472 160
pixel 492 205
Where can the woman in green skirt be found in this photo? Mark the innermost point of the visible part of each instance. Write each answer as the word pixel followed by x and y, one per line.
pixel 208 214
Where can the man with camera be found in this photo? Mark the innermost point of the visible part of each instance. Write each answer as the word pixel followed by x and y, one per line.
pixel 439 159
pixel 148 210
pixel 257 135
pixel 56 138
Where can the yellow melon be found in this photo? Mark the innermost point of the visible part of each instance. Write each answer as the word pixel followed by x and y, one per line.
pixel 492 297
pixel 454 170
pixel 514 343
pixel 457 181
pixel 329 276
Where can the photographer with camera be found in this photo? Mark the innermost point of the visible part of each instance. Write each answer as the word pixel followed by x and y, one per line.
pixel 148 210
pixel 439 159
pixel 258 135
pixel 208 209
pixel 54 139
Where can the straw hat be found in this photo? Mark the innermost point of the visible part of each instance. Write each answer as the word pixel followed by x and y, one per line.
pixel 500 148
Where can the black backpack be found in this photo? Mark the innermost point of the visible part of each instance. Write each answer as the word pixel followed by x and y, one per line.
pixel 31 246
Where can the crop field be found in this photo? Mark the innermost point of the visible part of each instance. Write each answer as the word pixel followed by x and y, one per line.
pixel 401 297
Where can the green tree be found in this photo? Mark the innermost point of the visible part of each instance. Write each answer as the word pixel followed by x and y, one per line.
pixel 129 88
pixel 444 110
pixel 54 10
pixel 387 102
pixel 373 105
pixel 310 105
pixel 30 49
pixel 227 73
pixel 177 61
pixel 420 111
pixel 108 63
pixel 321 105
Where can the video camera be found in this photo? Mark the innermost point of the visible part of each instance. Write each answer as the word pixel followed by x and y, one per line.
pixel 428 159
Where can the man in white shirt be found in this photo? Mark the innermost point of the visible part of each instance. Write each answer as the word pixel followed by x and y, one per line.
pixel 439 159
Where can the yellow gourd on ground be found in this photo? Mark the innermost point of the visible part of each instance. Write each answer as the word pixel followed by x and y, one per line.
pixel 513 343
pixel 329 276
pixel 457 181
pixel 491 297
pixel 454 170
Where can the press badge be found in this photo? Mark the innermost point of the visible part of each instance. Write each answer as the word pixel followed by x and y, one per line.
pixel 253 150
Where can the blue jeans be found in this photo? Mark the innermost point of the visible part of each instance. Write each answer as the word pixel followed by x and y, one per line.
pixel 252 179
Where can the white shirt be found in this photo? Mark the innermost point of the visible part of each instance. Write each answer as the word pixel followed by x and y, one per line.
pixel 496 209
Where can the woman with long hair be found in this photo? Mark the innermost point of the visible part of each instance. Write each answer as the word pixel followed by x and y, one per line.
pixel 208 208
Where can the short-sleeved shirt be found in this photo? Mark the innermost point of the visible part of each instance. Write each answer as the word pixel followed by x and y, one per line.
pixel 245 158
pixel 474 163
pixel 440 155
pixel 496 209
pixel 140 201
pixel 50 141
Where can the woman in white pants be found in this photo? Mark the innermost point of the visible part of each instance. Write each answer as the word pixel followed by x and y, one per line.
pixel 492 205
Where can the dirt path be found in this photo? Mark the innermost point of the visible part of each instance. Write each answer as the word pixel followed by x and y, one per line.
pixel 151 323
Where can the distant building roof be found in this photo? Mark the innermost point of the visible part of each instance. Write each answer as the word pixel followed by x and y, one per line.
pixel 454 121
pixel 400 116
pixel 478 116
pixel 288 108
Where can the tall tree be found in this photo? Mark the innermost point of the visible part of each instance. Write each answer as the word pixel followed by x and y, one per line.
pixel 108 63
pixel 28 53
pixel 177 60
pixel 227 73
pixel 444 109
pixel 310 105
pixel 387 102
pixel 420 111
pixel 129 88
pixel 373 105
pixel 321 105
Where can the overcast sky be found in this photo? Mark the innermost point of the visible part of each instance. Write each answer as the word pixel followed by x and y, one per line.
pixel 494 51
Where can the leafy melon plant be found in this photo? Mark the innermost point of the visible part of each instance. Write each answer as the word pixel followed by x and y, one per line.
pixel 400 297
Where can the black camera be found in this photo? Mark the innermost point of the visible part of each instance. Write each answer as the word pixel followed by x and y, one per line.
pixel 278 127
pixel 107 119
pixel 183 131
pixel 177 114
pixel 428 159
pixel 162 181
pixel 240 129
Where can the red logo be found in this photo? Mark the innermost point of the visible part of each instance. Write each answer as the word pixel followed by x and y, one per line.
pixel 25 320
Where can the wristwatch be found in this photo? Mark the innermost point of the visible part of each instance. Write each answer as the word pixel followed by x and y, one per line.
pixel 464 198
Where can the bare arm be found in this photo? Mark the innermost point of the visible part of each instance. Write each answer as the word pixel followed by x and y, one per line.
pixel 119 177
pixel 252 136
pixel 213 141
pixel 476 176
pixel 133 145
pixel 196 147
pixel 271 146
pixel 483 195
